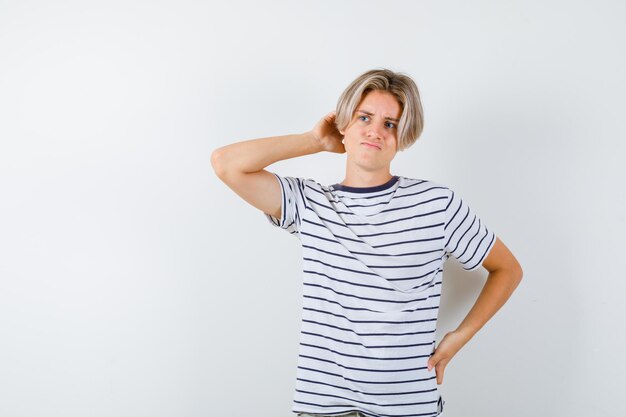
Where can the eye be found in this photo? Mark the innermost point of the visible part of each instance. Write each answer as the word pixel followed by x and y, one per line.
pixel 360 117
pixel 392 125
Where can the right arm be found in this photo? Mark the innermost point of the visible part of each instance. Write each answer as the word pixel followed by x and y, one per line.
pixel 241 165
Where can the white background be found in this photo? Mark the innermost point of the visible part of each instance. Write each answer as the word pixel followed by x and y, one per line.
pixel 134 283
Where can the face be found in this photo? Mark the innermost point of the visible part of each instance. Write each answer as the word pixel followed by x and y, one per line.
pixel 371 136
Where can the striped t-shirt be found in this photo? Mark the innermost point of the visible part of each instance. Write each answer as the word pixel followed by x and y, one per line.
pixel 372 270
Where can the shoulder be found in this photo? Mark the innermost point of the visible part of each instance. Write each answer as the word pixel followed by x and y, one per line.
pixel 301 182
pixel 310 184
pixel 303 187
pixel 422 185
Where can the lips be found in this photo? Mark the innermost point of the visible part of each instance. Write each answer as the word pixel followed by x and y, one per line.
pixel 370 145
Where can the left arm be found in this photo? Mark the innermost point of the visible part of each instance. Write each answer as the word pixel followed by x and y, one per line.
pixel 505 274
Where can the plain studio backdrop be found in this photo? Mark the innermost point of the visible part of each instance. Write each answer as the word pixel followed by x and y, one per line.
pixel 133 282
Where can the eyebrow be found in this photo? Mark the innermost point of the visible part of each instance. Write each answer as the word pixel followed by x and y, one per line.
pixel 371 114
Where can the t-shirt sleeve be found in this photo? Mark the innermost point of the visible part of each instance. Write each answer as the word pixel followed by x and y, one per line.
pixel 467 238
pixel 293 204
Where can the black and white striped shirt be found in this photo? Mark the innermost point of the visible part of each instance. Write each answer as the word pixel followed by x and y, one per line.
pixel 372 271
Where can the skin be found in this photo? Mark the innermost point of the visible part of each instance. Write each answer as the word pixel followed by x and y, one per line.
pixel 370 140
pixel 367 166
pixel 241 166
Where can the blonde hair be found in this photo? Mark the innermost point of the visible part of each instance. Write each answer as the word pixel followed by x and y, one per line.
pixel 403 89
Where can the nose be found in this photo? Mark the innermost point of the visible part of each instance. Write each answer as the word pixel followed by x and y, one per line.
pixel 374 131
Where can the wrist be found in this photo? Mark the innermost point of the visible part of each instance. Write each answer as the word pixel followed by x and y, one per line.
pixel 465 333
pixel 314 141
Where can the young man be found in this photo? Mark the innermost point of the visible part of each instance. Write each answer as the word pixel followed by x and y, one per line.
pixel 374 246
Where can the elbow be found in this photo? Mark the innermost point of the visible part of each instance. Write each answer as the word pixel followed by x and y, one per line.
pixel 218 163
pixel 517 272
pixel 512 270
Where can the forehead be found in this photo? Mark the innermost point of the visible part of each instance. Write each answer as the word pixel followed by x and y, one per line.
pixel 382 103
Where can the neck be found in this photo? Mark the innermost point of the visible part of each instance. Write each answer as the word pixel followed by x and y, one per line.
pixel 366 178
